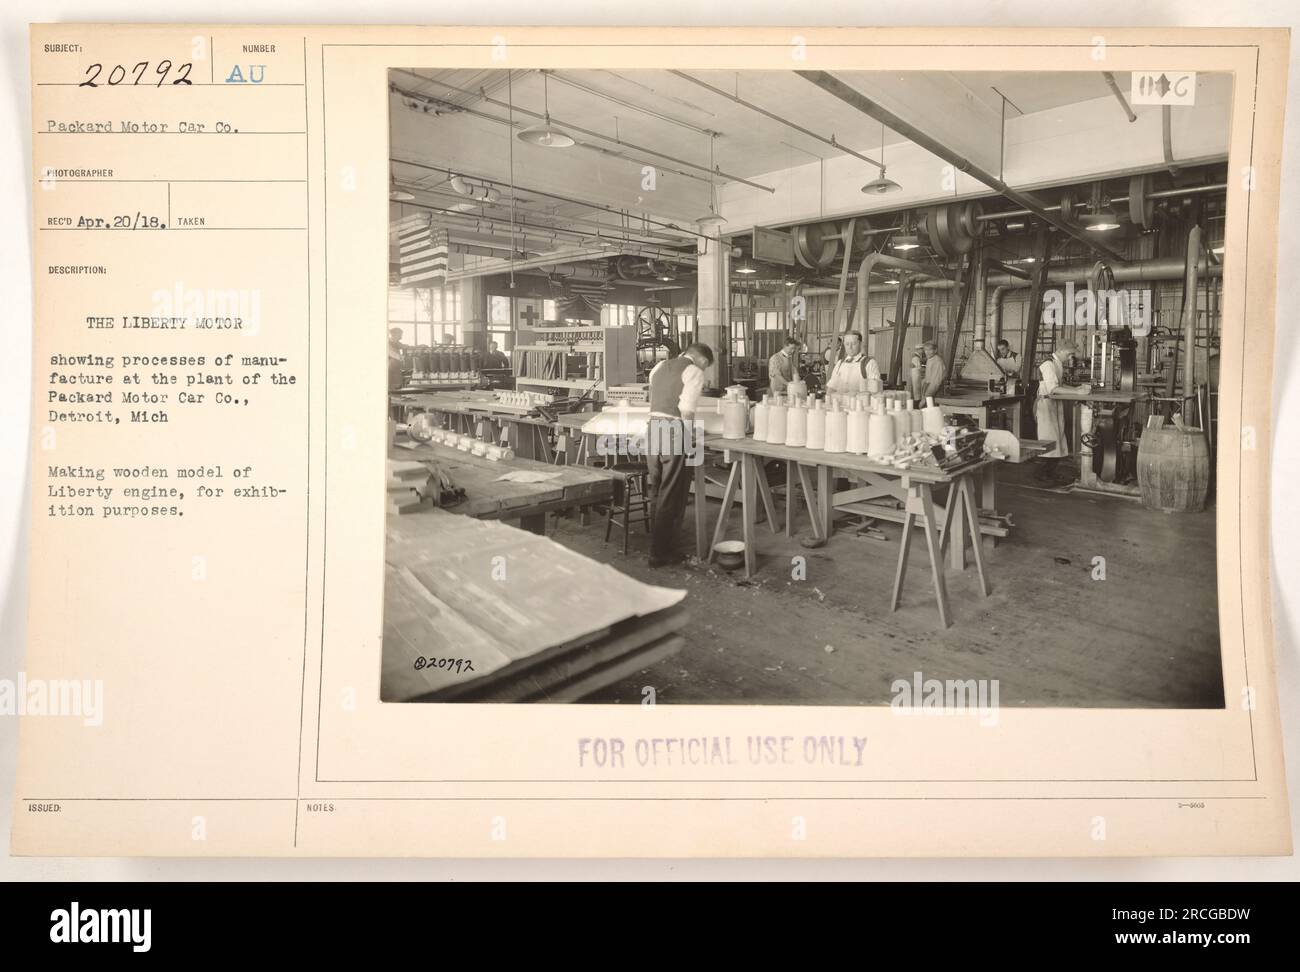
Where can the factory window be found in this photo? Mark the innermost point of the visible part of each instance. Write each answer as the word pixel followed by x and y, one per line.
pixel 685 329
pixel 426 315
pixel 618 315
pixel 499 313
pixel 446 334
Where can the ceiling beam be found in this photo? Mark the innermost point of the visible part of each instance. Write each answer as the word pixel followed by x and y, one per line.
pixel 730 177
pixel 777 118
pixel 850 96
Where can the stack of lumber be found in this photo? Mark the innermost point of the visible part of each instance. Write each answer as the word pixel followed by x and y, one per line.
pixel 476 610
pixel 406 486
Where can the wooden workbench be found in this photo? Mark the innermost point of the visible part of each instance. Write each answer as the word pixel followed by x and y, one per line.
pixel 913 487
pixel 479 414
pixel 487 496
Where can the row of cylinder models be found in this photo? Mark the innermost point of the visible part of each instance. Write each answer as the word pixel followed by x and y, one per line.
pixel 443 362
pixel 864 424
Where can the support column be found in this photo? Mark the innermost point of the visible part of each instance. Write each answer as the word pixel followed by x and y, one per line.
pixel 474 313
pixel 713 305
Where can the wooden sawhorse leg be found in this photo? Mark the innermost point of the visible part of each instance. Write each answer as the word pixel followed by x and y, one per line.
pixel 751 471
pixel 920 503
pixel 701 514
pixel 728 500
pixel 810 500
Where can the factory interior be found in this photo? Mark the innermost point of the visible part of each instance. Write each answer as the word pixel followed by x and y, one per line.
pixel 959 411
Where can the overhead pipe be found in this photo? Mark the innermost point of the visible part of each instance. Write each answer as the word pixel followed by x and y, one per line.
pixel 1192 259
pixel 777 118
pixel 1162 194
pixel 452 108
pixel 587 131
pixel 471 217
pixel 1167 132
pixel 1161 268
pixel 628 104
pixel 870 262
pixel 833 85
pixel 554 195
pixel 569 257
pixel 1123 102
pixel 534 231
pixel 500 209
pixel 1158 269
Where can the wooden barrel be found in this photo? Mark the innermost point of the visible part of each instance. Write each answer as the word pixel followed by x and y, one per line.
pixel 1173 467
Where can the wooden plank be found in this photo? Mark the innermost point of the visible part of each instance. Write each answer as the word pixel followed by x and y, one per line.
pixel 836 460
pixel 810 499
pixel 954 515
pixel 749 507
pixel 487 496
pixel 548 672
pixel 614 672
pixel 936 555
pixel 789 497
pixel 968 493
pixel 728 501
pixel 826 497
pixel 701 513
pixel 765 493
pixel 499 598
pixel 904 548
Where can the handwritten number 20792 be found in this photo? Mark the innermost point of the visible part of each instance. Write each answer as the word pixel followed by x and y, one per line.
pixel 118 74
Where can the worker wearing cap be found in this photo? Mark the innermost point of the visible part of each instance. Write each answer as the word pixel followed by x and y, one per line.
pixel 1049 412
pixel 856 371
pixel 929 376
pixel 782 367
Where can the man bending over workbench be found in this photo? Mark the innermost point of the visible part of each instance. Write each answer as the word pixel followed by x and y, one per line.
pixel 675 387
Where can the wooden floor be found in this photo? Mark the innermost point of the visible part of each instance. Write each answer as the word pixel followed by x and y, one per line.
pixel 1146 636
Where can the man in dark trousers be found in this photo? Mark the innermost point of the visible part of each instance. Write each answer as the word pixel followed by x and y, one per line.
pixel 675 388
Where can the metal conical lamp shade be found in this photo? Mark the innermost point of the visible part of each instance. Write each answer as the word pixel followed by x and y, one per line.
pixel 880 185
pixel 546 135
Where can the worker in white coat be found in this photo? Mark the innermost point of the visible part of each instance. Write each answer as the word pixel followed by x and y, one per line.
pixel 856 371
pixel 1049 412
pixel 933 370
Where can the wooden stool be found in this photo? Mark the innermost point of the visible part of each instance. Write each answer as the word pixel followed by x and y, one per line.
pixel 631 501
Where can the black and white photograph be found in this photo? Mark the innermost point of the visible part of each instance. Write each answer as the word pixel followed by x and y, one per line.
pixel 863 436
pixel 804 387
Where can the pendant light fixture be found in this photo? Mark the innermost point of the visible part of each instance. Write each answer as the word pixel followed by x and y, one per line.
pixel 546 135
pixel 880 185
pixel 907 239
pixel 1099 217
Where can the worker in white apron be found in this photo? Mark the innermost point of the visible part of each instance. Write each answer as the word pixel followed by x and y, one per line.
pixel 1049 412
